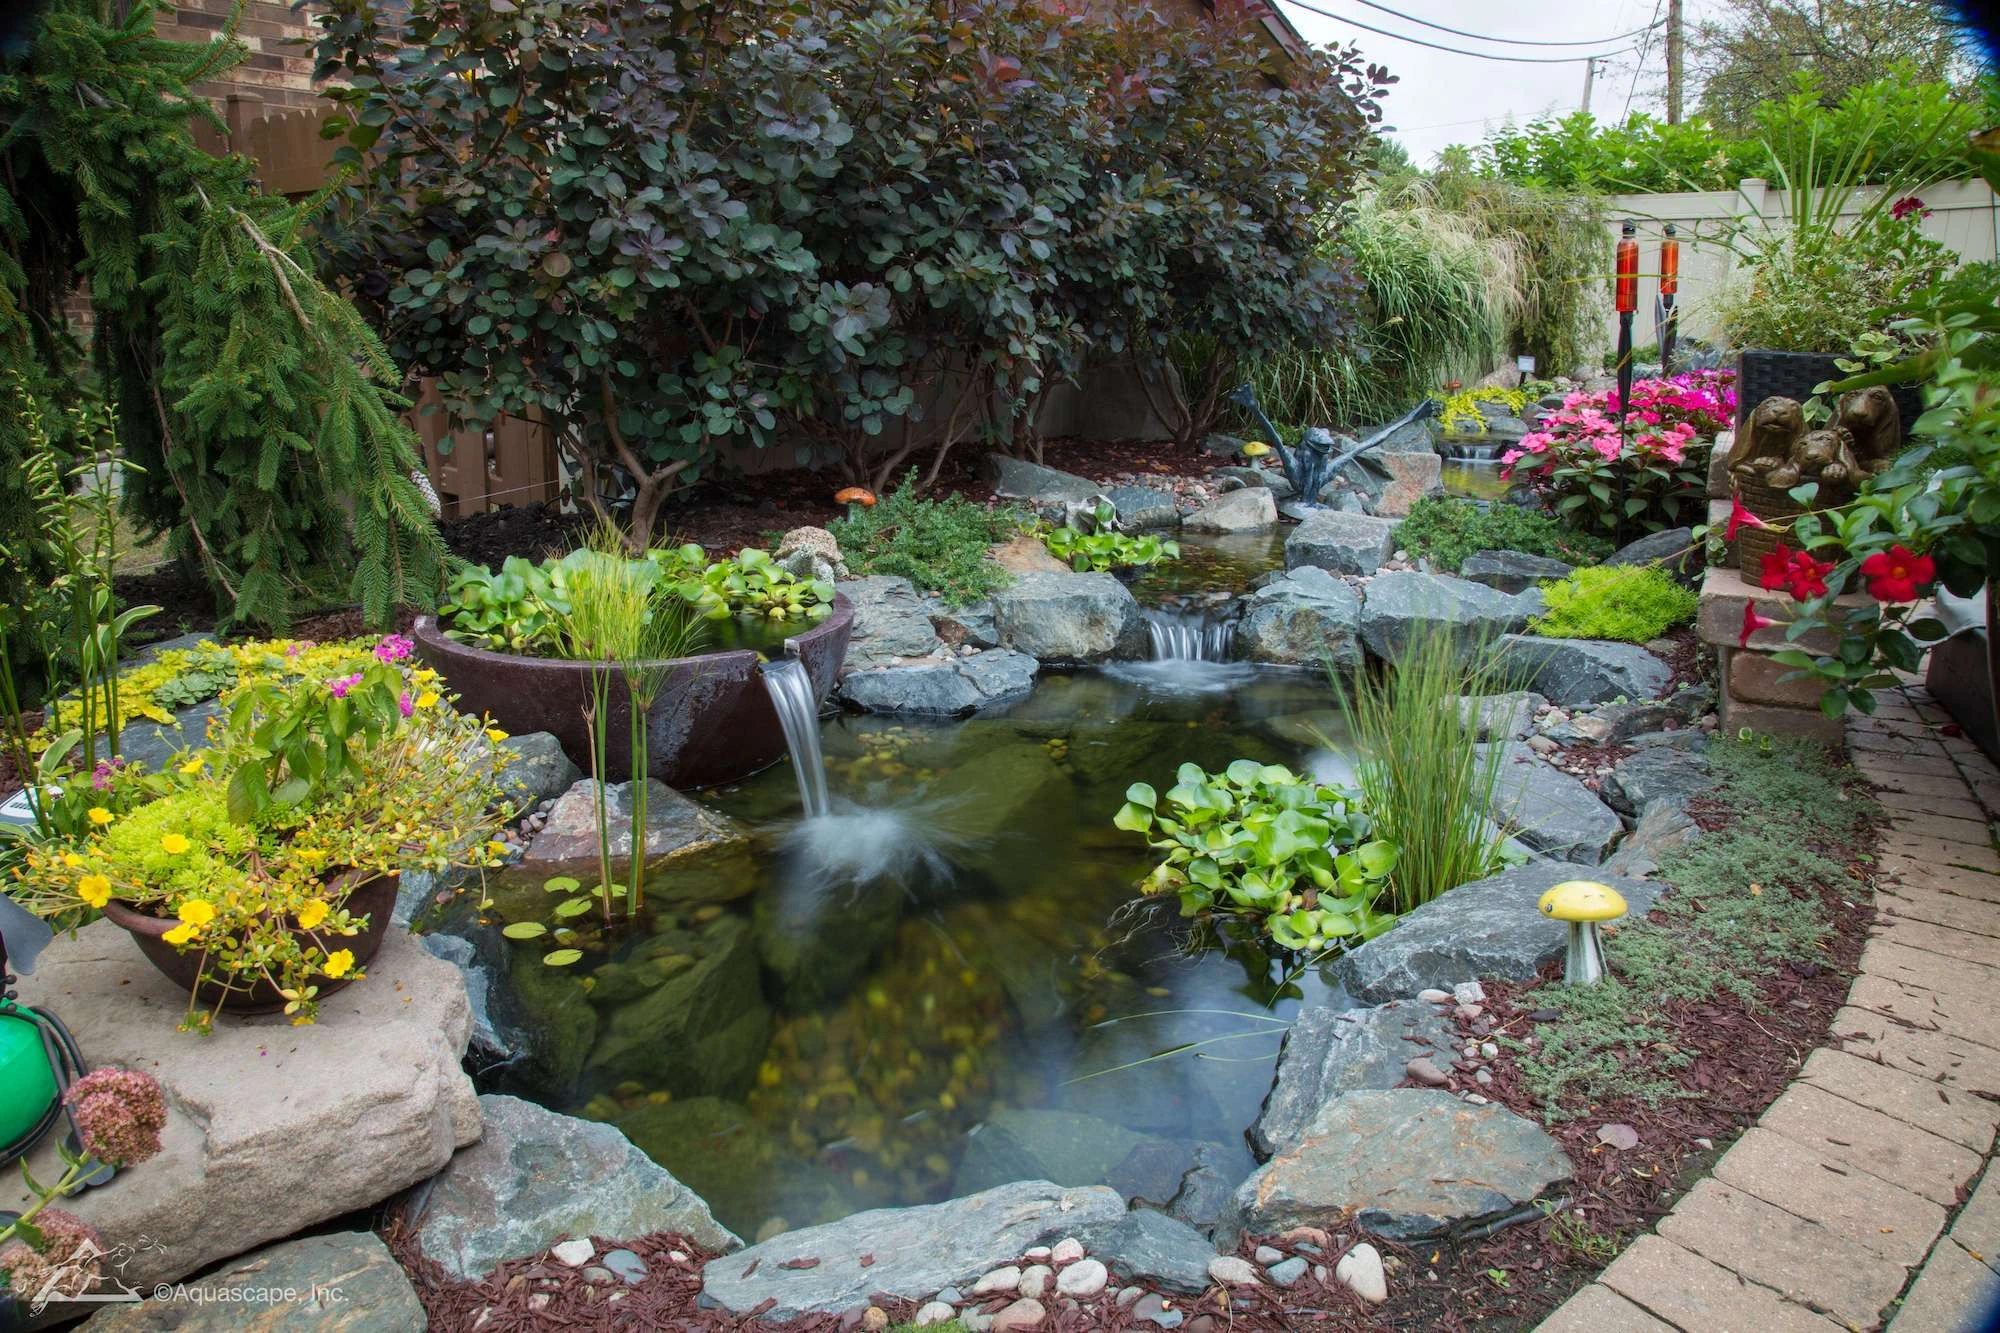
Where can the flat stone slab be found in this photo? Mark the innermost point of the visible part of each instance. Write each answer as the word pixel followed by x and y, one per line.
pixel 1404 1164
pixel 1398 606
pixel 1341 543
pixel 914 1253
pixel 1330 1051
pixel 536 1177
pixel 1019 479
pixel 674 825
pixel 948 687
pixel 316 1284
pixel 1488 928
pixel 1578 672
pixel 270 1128
pixel 1551 811
pixel 1658 773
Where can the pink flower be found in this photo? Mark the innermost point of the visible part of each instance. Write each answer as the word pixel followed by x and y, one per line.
pixel 120 1113
pixel 340 685
pixel 1752 622
pixel 394 648
pixel 1740 517
pixel 404 703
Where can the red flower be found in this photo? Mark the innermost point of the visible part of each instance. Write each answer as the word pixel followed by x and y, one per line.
pixel 1897 574
pixel 1752 622
pixel 1739 517
pixel 1776 568
pixel 1808 577
pixel 1907 205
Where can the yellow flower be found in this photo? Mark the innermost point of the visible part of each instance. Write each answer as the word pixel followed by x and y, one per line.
pixel 312 914
pixel 194 765
pixel 495 735
pixel 179 934
pixel 72 860
pixel 427 698
pixel 339 963
pixel 100 816
pixel 196 912
pixel 173 844
pixel 94 889
pixel 423 674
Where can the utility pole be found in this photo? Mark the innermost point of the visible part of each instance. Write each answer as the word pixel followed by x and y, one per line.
pixel 1589 77
pixel 1674 52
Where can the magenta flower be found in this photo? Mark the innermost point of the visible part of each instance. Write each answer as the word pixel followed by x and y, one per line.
pixel 394 648
pixel 404 702
pixel 1907 205
pixel 120 1113
pixel 340 685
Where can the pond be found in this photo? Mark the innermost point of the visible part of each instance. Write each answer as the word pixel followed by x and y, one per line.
pixel 942 985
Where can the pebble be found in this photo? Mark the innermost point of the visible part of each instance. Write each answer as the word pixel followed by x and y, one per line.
pixel 1475 1099
pixel 952 1296
pixel 678 1256
pixel 1423 1071
pixel 1468 1012
pixel 874 1319
pixel 1542 745
pixel 575 1253
pixel 1319 1274
pixel 1434 996
pixel 1490 1049
pixel 1483 1077
pixel 1288 1272
pixel 998 1282
pixel 1085 1277
pixel 1304 1236
pixel 1232 1271
pixel 1039 1254
pixel 1067 1251
pixel 1035 1279
pixel 1154 1309
pixel 598 1275
pixel 976 1320
pixel 1267 1256
pixel 1127 1295
pixel 626 1265
pixel 1361 1269
pixel 1024 1313
pixel 937 1312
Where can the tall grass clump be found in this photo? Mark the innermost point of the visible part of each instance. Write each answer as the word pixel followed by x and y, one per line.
pixel 1424 778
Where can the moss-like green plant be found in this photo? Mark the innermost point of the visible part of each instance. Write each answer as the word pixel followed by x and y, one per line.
pixel 1445 531
pixel 1632 603
pixel 938 545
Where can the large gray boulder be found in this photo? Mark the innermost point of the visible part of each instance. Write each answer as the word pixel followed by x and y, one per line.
pixel 1252 509
pixel 944 688
pixel 536 1177
pixel 891 622
pixel 1330 1051
pixel 1488 928
pixel 1405 1164
pixel 1397 607
pixel 255 1107
pixel 1341 543
pixel 1549 810
pixel 1658 773
pixel 1673 550
pixel 1662 828
pixel 1511 571
pixel 332 1283
pixel 1152 1248
pixel 1143 507
pixel 1503 717
pixel 537 769
pixel 1578 672
pixel 675 826
pixel 1301 618
pixel 1018 479
pixel 1069 618
pixel 1277 483
pixel 911 1253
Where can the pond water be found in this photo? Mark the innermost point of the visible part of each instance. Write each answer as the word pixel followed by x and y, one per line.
pixel 1474 479
pixel 877 1007
pixel 1212 567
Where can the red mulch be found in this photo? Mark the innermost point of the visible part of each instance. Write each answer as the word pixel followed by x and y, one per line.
pixel 1691 665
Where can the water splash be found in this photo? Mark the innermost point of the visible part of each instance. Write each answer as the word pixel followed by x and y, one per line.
pixel 1188 636
pixel 791 691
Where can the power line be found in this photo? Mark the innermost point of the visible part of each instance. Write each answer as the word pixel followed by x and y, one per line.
pixel 1453 50
pixel 1508 41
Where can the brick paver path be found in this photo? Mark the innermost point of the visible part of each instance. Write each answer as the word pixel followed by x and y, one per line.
pixel 1841 1207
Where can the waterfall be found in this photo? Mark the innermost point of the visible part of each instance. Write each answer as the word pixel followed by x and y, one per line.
pixel 1181 636
pixel 791 691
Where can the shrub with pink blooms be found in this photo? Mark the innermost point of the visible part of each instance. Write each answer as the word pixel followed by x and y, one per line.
pixel 1652 476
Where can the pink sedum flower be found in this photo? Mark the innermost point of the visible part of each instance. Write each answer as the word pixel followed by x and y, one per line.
pixel 120 1113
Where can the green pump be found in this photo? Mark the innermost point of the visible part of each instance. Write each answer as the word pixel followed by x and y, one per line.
pixel 38 1057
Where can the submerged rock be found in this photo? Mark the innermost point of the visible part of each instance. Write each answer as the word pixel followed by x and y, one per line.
pixel 1065 1147
pixel 535 1177
pixel 1301 618
pixel 819 933
pixel 1330 1051
pixel 1404 1164
pixel 727 1157
pixel 912 1253
pixel 683 1011
pixel 1069 618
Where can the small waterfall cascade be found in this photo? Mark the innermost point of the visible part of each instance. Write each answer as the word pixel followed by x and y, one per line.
pixel 791 691
pixel 1188 636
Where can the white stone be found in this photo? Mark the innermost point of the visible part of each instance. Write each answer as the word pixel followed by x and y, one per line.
pixel 1035 1279
pixel 575 1253
pixel 1469 992
pixel 1067 1251
pixel 1040 1254
pixel 1489 1049
pixel 1434 996
pixel 937 1312
pixel 1361 1269
pixel 1232 1271
pixel 1266 1255
pixel 1085 1277
pixel 271 1128
pixel 998 1282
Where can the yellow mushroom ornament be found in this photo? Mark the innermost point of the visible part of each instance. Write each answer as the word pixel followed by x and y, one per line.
pixel 1583 904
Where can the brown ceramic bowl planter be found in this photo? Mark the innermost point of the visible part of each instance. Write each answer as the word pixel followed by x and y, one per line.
pixel 712 722
pixel 376 898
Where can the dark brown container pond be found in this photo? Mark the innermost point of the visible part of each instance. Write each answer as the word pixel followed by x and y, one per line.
pixel 712 723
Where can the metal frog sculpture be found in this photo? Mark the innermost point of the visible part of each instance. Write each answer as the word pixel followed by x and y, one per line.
pixel 1775 449
pixel 1311 463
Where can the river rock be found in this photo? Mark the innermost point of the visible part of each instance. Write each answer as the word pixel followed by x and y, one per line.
pixel 1502 717
pixel 1550 811
pixel 535 1177
pixel 249 1104
pixel 1396 607
pixel 683 1010
pixel 1405 1164
pixel 1658 773
pixel 1252 509
pixel 1511 571
pixel 1341 543
pixel 945 688
pixel 1157 1250
pixel 537 770
pixel 1330 1051
pixel 1142 507
pixel 1069 618
pixel 1019 479
pixel 1578 672
pixel 1674 550
pixel 891 623
pixel 913 1252
pixel 346 1280
pixel 1301 618
pixel 675 826
pixel 1277 483
pixel 1488 928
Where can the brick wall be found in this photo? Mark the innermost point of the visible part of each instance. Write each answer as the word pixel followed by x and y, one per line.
pixel 278 70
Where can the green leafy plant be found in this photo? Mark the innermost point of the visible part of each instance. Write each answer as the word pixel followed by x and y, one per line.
pixel 1106 548
pixel 939 545
pixel 1423 777
pixel 567 916
pixel 753 584
pixel 1260 843
pixel 1445 531
pixel 504 611
pixel 1631 603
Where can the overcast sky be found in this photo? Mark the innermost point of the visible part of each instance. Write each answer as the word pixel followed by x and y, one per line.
pixel 1444 98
